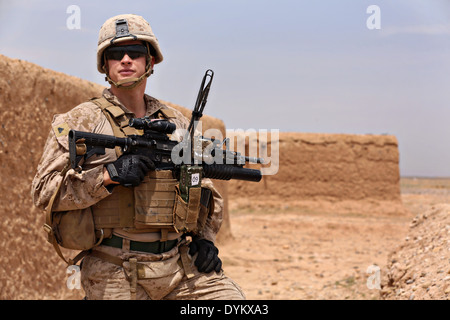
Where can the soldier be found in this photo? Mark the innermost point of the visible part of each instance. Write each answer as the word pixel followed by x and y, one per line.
pixel 108 208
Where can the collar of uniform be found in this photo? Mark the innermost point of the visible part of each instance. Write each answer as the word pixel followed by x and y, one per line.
pixel 114 100
pixel 152 104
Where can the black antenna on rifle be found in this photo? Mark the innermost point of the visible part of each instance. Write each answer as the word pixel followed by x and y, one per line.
pixel 202 96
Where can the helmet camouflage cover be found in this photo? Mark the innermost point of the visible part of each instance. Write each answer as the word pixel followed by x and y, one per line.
pixel 123 28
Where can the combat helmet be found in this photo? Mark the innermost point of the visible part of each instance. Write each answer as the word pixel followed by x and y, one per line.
pixel 123 28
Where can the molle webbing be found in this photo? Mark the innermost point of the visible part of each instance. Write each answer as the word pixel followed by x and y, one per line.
pixel 155 200
pixel 145 208
pixel 117 210
pixel 186 213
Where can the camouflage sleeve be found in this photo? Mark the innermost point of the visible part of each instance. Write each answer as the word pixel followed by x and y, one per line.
pixel 214 220
pixel 78 190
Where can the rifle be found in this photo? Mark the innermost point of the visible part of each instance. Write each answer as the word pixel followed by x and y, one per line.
pixel 155 144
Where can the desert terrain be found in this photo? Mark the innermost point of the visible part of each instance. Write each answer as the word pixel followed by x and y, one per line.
pixel 298 253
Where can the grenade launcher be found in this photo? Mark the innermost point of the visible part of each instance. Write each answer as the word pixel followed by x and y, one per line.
pixel 156 144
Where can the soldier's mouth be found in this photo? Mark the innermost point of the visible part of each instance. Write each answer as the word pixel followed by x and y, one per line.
pixel 126 72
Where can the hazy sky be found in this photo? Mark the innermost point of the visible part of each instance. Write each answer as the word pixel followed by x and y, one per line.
pixel 292 65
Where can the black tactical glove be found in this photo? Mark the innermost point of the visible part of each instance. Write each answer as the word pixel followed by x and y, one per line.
pixel 207 259
pixel 130 169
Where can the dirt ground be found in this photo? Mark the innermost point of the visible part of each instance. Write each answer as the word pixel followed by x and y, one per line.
pixel 313 254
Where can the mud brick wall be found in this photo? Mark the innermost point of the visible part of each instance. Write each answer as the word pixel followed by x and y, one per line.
pixel 331 167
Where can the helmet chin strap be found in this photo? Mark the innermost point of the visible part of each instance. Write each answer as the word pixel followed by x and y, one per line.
pixel 135 81
pixel 121 84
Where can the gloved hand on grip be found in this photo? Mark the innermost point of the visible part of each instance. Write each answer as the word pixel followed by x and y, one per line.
pixel 130 169
pixel 207 259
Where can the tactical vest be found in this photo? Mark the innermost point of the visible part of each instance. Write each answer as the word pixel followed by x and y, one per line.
pixel 154 205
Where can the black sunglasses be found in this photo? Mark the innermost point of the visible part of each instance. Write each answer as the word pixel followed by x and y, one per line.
pixel 133 51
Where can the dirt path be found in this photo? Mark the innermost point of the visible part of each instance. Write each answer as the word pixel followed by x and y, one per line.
pixel 297 254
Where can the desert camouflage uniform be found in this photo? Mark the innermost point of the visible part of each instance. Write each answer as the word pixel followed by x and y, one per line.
pixel 101 279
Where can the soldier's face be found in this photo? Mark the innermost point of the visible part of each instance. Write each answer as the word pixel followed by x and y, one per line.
pixel 126 67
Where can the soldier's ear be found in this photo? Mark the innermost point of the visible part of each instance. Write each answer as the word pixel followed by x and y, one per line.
pixel 152 63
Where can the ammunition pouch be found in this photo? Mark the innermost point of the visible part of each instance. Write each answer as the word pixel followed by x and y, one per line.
pixel 75 229
pixel 70 229
pixel 186 213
